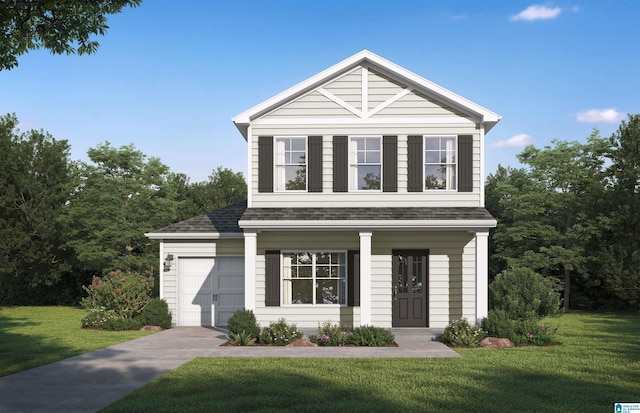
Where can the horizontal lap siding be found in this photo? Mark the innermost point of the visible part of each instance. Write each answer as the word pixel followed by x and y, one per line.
pixel 417 105
pixel 193 248
pixel 328 198
pixel 451 275
pixel 380 89
pixel 348 88
pixel 312 105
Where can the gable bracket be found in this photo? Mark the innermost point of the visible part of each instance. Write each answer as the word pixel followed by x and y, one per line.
pixel 339 101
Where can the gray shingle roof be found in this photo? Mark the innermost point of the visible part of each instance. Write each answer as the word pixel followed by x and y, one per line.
pixel 369 214
pixel 223 220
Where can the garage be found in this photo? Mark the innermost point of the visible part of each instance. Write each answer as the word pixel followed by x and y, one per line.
pixel 210 290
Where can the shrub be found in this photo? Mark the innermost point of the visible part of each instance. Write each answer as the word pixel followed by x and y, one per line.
pixel 124 293
pixel 121 324
pixel 279 333
pixel 370 336
pixel 97 318
pixel 523 294
pixel 244 320
pixel 498 324
pixel 241 339
pixel 332 334
pixel 533 332
pixel 156 313
pixel 461 333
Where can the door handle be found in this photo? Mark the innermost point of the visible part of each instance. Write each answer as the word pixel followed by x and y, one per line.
pixel 395 293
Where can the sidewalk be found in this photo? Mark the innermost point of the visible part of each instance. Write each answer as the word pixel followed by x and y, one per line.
pixel 92 381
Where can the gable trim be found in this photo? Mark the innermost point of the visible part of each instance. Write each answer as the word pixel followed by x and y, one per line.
pixel 418 120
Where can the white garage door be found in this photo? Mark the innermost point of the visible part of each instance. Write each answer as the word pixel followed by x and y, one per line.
pixel 210 290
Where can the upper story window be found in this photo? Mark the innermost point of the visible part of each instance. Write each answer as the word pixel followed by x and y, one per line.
pixel 291 164
pixel 440 162
pixel 365 155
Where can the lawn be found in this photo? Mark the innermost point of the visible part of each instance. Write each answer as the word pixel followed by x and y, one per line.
pixel 34 336
pixel 597 364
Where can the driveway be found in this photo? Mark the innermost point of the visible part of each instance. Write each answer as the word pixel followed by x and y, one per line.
pixel 92 381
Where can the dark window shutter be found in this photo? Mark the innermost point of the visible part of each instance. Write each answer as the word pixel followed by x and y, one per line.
pixel 465 163
pixel 353 279
pixel 390 164
pixel 272 278
pixel 314 165
pixel 415 163
pixel 265 164
pixel 340 164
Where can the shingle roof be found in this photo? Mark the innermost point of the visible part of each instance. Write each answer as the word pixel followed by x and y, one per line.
pixel 365 214
pixel 223 220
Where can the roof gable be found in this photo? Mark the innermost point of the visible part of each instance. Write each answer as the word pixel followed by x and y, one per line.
pixel 364 85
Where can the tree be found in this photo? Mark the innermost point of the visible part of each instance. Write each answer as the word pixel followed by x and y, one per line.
pixel 60 26
pixel 36 178
pixel 223 188
pixel 121 196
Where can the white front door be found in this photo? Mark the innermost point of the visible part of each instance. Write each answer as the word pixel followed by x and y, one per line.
pixel 210 290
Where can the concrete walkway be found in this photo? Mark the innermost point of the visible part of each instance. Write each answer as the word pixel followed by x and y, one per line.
pixel 92 381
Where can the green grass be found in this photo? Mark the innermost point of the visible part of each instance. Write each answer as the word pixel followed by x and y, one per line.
pixel 597 364
pixel 34 336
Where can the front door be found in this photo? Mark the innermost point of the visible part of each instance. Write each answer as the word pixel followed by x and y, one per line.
pixel 410 281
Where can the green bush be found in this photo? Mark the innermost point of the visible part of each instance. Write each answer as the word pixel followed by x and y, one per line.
pixel 97 318
pixel 523 294
pixel 498 324
pixel 241 339
pixel 370 336
pixel 124 293
pixel 533 333
pixel 244 320
pixel 279 333
pixel 332 335
pixel 461 333
pixel 122 324
pixel 156 313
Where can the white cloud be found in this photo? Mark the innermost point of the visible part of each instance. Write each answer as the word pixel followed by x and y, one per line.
pixel 513 142
pixel 610 115
pixel 537 12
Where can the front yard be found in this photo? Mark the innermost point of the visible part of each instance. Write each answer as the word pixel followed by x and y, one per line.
pixel 34 336
pixel 597 364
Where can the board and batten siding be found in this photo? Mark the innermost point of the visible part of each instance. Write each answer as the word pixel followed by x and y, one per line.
pixel 329 198
pixel 192 248
pixel 451 275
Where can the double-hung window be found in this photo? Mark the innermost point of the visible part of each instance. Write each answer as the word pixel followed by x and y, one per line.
pixel 291 164
pixel 314 278
pixel 365 163
pixel 440 162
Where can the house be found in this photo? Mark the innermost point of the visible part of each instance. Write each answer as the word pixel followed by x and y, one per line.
pixel 365 206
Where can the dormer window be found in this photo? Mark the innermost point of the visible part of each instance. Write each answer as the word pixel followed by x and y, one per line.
pixel 291 164
pixel 365 154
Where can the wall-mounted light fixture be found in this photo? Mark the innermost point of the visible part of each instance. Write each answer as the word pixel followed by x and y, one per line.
pixel 167 262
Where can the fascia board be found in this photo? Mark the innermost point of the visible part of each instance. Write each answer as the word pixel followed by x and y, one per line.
pixel 379 225
pixel 192 235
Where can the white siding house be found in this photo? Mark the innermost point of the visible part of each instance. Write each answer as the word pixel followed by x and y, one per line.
pixel 366 206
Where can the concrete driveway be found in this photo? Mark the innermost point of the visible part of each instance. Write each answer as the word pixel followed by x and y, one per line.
pixel 92 381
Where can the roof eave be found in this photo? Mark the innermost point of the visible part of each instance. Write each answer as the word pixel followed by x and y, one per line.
pixel 193 235
pixel 303 225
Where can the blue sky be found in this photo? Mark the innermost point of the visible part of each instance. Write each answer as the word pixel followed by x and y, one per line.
pixel 169 75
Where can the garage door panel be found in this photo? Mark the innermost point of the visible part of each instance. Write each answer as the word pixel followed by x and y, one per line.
pixel 202 279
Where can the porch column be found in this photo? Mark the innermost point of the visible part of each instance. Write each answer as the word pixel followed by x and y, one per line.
pixel 482 275
pixel 250 252
pixel 365 278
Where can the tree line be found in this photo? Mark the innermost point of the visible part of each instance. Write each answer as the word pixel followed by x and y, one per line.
pixel 572 214
pixel 63 221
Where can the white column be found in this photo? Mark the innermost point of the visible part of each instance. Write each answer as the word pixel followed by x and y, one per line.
pixel 161 270
pixel 482 275
pixel 365 278
pixel 250 253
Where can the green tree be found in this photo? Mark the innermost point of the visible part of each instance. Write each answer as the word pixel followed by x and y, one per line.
pixel 60 26
pixel 121 196
pixel 223 188
pixel 548 214
pixel 36 178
